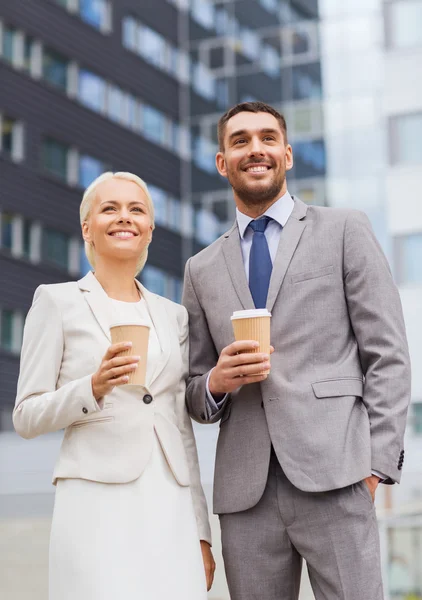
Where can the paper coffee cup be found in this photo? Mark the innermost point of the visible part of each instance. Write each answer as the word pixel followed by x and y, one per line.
pixel 139 336
pixel 253 324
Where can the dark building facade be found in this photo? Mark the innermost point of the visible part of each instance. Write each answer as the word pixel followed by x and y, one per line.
pixel 94 85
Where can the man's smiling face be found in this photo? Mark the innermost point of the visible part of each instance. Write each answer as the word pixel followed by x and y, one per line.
pixel 255 158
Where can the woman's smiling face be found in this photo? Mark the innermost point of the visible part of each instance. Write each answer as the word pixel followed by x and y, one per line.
pixel 119 225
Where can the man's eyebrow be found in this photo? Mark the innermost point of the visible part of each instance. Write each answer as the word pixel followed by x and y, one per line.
pixel 245 132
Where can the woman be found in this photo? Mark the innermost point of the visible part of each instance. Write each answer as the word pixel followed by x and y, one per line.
pixel 130 518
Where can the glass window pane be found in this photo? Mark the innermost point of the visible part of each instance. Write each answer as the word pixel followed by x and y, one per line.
pixel 91 90
pixel 27 53
pixel 84 265
pixel 207 226
pixel 203 13
pixel 417 417
pixel 115 101
pixel 93 12
pixel 250 43
pixel 129 33
pixel 7 126
pixel 9 35
pixel 154 280
pixel 55 68
pixel 152 46
pixel 54 158
pixel 55 248
pixel 270 60
pixel 6 230
pixel 154 125
pixel 408 130
pixel 26 238
pixel 307 81
pixel 159 200
pixel 406 23
pixel 310 159
pixel 175 214
pixel 89 169
pixel 203 81
pixel 6 329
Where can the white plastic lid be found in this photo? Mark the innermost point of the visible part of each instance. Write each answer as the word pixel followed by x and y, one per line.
pixel 129 324
pixel 250 314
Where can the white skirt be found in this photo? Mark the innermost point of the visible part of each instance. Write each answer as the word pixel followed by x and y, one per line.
pixel 132 541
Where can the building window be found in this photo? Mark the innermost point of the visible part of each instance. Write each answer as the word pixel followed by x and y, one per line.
pixel 206 226
pixel 203 81
pixel 55 158
pixel 95 13
pixel 55 248
pixel 154 125
pixel 407 250
pixel 116 101
pixel 307 81
pixel 89 169
pixel 11 138
pixel 28 54
pixel 203 13
pixel 152 47
pixel 154 279
pixel 159 199
pixel 55 69
pixel 7 329
pixel 203 154
pixel 406 136
pixel 130 33
pixel 11 330
pixel 9 44
pixel 6 231
pixel 404 21
pixel 270 60
pixel 6 142
pixel 310 159
pixel 417 417
pixel 91 90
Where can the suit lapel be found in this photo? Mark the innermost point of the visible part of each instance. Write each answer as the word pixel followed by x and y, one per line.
pixel 234 261
pixel 162 326
pixel 289 239
pixel 98 301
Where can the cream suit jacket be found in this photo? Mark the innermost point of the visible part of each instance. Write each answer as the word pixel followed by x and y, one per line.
pixel 67 332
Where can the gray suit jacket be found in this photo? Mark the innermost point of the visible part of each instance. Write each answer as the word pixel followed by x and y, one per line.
pixel 334 406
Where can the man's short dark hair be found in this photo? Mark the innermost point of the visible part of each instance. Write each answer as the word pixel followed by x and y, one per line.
pixel 253 107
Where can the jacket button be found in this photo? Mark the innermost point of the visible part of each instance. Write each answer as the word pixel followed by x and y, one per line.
pixel 262 404
pixel 85 410
pixel 147 398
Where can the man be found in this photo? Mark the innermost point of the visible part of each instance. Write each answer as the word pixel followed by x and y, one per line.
pixel 302 450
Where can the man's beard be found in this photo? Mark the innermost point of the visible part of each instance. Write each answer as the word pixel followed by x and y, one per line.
pixel 257 196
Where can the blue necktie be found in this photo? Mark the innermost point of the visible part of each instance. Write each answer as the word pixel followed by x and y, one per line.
pixel 260 265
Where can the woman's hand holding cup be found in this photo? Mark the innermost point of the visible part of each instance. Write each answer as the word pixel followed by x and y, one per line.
pixel 114 370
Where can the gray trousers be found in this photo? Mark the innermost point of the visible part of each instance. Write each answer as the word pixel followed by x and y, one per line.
pixel 336 533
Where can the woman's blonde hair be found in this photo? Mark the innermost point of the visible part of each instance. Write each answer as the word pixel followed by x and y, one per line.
pixel 86 206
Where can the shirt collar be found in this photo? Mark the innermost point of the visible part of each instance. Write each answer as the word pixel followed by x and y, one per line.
pixel 280 211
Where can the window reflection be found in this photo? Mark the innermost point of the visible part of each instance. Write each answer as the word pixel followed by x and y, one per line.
pixel 89 169
pixel 91 91
pixel 55 69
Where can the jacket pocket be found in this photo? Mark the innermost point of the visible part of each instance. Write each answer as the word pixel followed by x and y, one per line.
pixel 312 274
pixel 78 424
pixel 345 386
